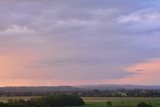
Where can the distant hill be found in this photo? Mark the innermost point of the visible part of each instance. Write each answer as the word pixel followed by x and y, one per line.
pixel 114 87
pixel 40 89
pixel 74 88
pixel 105 90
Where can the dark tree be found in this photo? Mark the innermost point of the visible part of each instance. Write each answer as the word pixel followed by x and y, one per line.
pixel 109 103
pixel 143 104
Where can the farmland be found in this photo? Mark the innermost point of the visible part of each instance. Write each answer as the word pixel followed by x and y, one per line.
pixel 5 99
pixel 101 101
pixel 119 101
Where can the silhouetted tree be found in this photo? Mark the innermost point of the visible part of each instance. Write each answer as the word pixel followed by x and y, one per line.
pixel 109 103
pixel 143 104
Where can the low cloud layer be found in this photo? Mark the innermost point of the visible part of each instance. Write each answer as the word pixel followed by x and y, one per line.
pixel 86 40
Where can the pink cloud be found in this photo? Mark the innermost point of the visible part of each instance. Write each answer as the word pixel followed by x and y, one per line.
pixel 146 73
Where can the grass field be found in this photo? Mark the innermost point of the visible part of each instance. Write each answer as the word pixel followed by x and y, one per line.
pixel 119 102
pixel 101 101
pixel 5 99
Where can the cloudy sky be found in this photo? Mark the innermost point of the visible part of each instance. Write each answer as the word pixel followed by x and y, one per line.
pixel 74 42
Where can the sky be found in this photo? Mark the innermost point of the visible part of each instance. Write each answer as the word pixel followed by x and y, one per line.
pixel 79 42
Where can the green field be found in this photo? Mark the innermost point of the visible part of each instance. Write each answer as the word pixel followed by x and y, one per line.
pixel 5 99
pixel 101 101
pixel 119 102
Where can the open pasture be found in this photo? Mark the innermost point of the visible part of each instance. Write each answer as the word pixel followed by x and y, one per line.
pixel 5 99
pixel 101 101
pixel 119 101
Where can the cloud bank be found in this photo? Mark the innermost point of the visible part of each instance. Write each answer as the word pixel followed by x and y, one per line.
pixel 79 42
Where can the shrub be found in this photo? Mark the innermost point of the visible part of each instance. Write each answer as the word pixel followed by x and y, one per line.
pixel 143 104
pixel 109 103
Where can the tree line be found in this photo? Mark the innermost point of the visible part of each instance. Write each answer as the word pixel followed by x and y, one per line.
pixel 58 100
pixel 42 91
pixel 121 93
